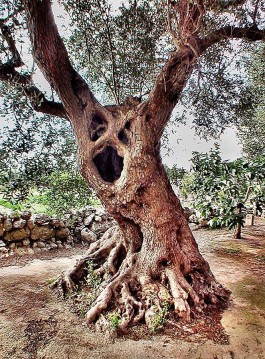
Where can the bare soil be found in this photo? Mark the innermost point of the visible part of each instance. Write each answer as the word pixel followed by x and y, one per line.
pixel 34 323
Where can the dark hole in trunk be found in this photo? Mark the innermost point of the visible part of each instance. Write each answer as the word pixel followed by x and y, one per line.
pixel 109 164
pixel 120 258
pixel 128 125
pixel 188 278
pixel 97 127
pixel 123 137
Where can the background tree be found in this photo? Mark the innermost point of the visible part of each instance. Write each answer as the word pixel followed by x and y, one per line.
pixel 219 187
pixel 152 250
pixel 251 107
pixel 38 169
pixel 176 175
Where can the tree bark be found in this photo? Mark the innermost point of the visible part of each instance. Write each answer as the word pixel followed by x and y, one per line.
pixel 238 229
pixel 152 249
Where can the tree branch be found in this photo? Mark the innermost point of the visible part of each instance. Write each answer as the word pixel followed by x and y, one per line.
pixel 168 88
pixel 186 17
pixel 52 58
pixel 37 98
pixel 224 5
pixel 176 72
pixel 15 60
pixel 40 103
pixel 23 82
pixel 231 32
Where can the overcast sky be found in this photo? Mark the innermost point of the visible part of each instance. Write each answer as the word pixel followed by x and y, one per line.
pixel 185 141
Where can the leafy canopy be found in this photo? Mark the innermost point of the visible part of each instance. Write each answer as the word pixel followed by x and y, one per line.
pixel 218 186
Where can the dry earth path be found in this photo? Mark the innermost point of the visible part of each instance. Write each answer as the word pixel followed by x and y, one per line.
pixel 35 324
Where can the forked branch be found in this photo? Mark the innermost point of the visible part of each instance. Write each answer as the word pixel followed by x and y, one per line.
pixel 23 82
pixel 52 58
pixel 189 47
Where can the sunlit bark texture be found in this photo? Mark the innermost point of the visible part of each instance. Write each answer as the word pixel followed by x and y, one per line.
pixel 150 257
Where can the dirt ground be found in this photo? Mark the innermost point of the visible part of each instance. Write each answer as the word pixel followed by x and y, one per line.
pixel 34 323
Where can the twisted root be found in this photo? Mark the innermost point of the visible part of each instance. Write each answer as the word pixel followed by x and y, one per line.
pixel 128 286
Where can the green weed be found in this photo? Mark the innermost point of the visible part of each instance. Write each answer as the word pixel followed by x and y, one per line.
pixel 114 319
pixel 93 280
pixel 160 317
pixel 52 280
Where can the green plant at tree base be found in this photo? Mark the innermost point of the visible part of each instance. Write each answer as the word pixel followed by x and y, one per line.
pixel 114 319
pixel 52 280
pixel 93 280
pixel 160 317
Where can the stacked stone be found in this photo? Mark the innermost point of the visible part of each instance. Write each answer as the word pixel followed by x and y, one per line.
pixel 89 224
pixel 24 233
pixel 27 234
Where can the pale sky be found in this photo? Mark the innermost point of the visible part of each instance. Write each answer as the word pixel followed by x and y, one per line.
pixel 185 141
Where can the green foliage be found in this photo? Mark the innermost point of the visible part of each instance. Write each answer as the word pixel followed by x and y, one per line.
pixel 176 175
pixel 93 280
pixel 10 205
pixel 116 48
pixel 218 186
pixel 251 126
pixel 64 191
pixel 160 317
pixel 38 168
pixel 114 319
pixel 52 280
pixel 31 150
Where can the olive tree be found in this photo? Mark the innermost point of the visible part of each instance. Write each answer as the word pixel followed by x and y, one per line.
pixel 152 249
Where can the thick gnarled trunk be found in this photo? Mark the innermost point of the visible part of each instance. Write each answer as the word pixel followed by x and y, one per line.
pixel 151 256
pixel 152 250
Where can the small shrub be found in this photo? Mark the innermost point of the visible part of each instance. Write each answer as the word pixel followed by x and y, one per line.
pixel 93 280
pixel 114 319
pixel 160 317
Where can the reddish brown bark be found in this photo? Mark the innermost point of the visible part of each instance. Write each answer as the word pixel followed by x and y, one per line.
pixel 153 249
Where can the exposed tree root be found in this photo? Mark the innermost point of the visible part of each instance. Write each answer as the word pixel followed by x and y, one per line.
pixel 127 285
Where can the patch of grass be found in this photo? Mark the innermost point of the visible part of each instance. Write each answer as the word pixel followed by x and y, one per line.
pixel 253 291
pixel 229 248
pixel 232 250
pixel 52 280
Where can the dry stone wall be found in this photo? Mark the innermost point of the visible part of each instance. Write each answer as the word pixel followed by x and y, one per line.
pixel 24 233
